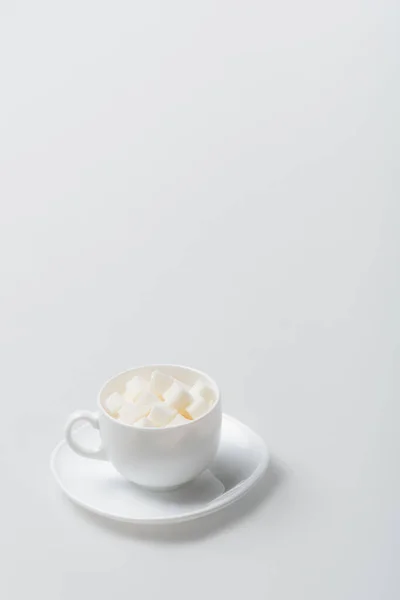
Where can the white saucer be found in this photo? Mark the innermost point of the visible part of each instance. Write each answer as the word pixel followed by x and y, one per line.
pixel 241 459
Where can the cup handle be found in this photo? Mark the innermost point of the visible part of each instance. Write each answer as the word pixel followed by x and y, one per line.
pixel 93 419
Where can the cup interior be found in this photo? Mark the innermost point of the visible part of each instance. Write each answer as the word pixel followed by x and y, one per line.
pixel 187 375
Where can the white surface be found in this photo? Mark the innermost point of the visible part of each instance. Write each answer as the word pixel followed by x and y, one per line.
pixel 95 485
pixel 211 183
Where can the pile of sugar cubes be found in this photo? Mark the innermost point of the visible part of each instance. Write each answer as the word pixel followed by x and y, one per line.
pixel 160 402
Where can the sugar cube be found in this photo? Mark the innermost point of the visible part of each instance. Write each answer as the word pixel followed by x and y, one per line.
pixel 133 387
pixel 148 399
pixel 178 420
pixel 160 382
pixel 202 389
pixel 177 397
pixel 198 408
pixel 113 403
pixel 130 413
pixel 161 414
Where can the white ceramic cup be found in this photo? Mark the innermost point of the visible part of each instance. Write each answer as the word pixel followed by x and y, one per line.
pixel 156 458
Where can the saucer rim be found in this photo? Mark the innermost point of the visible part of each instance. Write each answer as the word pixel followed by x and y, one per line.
pixel 222 501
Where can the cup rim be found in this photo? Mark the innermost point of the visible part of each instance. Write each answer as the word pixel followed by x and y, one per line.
pixel 154 367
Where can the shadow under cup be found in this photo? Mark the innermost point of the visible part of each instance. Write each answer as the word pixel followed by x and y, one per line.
pixel 161 458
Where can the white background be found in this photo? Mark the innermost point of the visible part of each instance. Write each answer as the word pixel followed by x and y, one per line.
pixel 216 184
